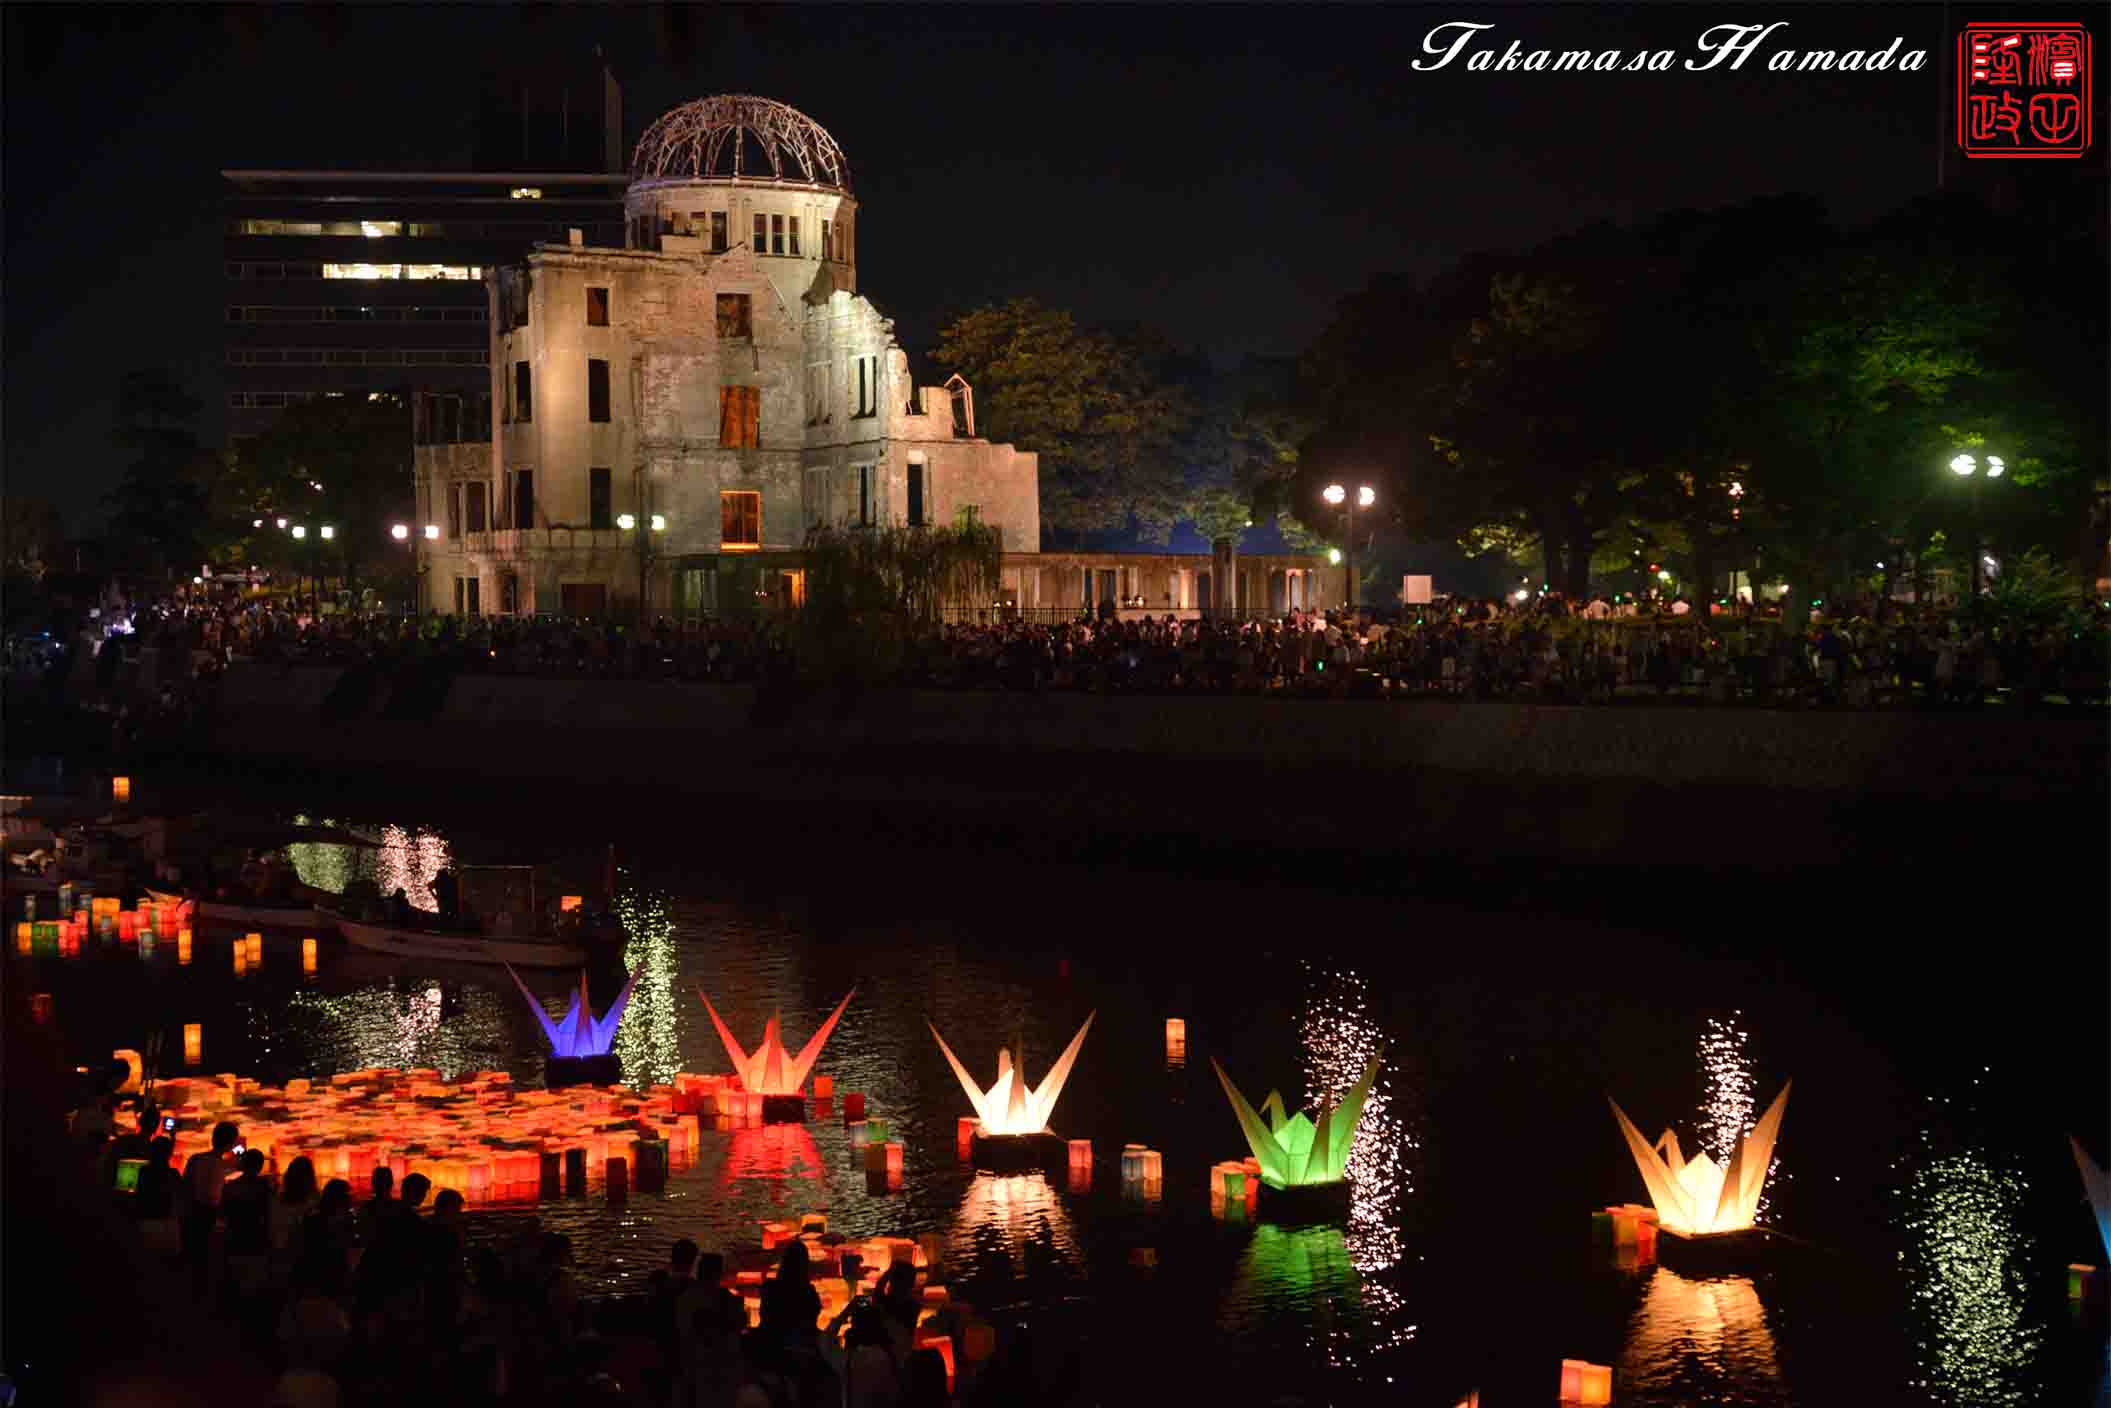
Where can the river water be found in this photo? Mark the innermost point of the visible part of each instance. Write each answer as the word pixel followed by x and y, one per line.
pixel 1922 1166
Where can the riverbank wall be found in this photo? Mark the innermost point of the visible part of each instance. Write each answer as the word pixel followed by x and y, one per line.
pixel 1673 783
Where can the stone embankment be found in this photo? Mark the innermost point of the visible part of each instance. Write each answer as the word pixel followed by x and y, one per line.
pixel 1630 783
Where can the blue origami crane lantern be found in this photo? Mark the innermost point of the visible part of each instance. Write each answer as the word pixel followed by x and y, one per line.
pixel 578 1034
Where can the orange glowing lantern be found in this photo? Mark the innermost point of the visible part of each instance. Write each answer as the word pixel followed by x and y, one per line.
pixel 894 1159
pixel 569 904
pixel 132 1069
pixel 193 1044
pixel 1175 1040
pixel 241 957
pixel 307 955
pixel 183 945
pixel 1572 1380
pixel 127 926
pixel 1597 1383
pixel 1081 1153
pixel 25 936
pixel 254 946
pixel 964 1134
pixel 40 1007
pixel 120 789
pixel 943 1346
pixel 824 1087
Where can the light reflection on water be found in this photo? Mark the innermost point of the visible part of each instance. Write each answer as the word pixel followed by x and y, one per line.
pixel 1968 1261
pixel 649 1040
pixel 1701 1341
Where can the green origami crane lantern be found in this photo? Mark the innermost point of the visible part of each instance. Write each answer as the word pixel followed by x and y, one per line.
pixel 1299 1151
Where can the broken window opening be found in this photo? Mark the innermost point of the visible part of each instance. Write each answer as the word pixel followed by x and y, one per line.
pixel 597 307
pixel 740 417
pixel 740 520
pixel 736 315
pixel 597 398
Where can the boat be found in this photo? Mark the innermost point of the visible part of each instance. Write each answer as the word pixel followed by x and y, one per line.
pixel 509 925
pixel 459 946
pixel 307 916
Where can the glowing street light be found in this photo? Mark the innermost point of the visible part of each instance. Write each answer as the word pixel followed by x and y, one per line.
pixel 282 525
pixel 1964 465
pixel 1338 495
pixel 659 523
pixel 432 532
pixel 1967 467
pixel 300 530
pixel 626 521
pixel 400 532
pixel 329 532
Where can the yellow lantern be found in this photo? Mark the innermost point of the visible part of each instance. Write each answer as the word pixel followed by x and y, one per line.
pixel 193 1044
pixel 307 955
pixel 25 934
pixel 1597 1383
pixel 1572 1380
pixel 183 945
pixel 120 789
pixel 255 944
pixel 1175 1040
pixel 241 957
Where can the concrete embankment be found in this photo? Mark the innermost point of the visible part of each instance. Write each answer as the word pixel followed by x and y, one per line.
pixel 1074 772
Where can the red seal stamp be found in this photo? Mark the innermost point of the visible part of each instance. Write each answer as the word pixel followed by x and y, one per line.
pixel 2024 89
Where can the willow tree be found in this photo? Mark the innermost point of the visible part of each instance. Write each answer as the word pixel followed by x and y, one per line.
pixel 870 591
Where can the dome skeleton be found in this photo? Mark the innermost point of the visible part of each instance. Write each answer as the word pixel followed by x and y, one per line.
pixel 689 144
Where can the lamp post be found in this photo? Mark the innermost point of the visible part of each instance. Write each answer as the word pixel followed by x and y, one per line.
pixel 401 532
pixel 1338 495
pixel 1967 467
pixel 653 523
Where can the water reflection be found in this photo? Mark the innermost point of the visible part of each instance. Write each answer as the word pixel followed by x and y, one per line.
pixel 1701 1342
pixel 1339 1037
pixel 380 1027
pixel 649 1040
pixel 773 1152
pixel 1966 1260
pixel 1010 1214
pixel 1729 1103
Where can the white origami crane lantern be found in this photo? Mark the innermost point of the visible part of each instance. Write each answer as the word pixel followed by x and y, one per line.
pixel 1697 1197
pixel 771 1070
pixel 1300 1151
pixel 579 1033
pixel 2099 1185
pixel 1009 1106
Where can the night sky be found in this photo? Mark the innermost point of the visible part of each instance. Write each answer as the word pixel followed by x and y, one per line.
pixel 1225 174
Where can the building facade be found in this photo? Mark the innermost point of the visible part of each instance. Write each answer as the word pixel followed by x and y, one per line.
pixel 675 410
pixel 349 283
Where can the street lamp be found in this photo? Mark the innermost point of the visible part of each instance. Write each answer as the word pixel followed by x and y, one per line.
pixel 1967 467
pixel 401 532
pixel 1338 495
pixel 300 530
pixel 656 523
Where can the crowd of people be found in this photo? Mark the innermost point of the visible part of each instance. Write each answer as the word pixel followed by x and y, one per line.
pixel 1856 655
pixel 386 1295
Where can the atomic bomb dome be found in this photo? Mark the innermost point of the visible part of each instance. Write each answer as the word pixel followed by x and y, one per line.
pixel 735 137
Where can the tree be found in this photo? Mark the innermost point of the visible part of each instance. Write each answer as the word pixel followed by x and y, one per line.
pixel 337 460
pixel 1091 404
pixel 160 510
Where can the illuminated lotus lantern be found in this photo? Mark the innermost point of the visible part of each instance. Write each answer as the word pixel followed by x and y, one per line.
pixel 772 1072
pixel 1011 1126
pixel 1698 1197
pixel 2099 1185
pixel 1301 1152
pixel 581 1045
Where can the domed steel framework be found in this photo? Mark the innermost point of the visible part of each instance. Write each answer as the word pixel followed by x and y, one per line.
pixel 718 139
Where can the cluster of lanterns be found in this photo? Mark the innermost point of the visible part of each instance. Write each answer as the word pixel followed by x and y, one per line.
pixel 480 1135
pixel 81 914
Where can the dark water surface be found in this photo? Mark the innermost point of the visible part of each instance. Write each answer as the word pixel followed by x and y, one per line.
pixel 1923 1168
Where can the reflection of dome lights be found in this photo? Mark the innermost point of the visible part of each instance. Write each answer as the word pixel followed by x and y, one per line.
pixel 1968 1260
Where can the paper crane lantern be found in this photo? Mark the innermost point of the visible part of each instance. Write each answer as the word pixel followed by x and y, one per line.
pixel 1696 1197
pixel 1300 1151
pixel 2099 1185
pixel 771 1070
pixel 1008 1106
pixel 579 1033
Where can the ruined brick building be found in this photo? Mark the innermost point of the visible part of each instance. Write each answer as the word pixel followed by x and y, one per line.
pixel 674 415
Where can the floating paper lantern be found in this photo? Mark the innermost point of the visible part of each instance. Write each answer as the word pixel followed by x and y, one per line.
pixel 770 1070
pixel 193 1044
pixel 127 926
pixel 1301 1151
pixel 854 1105
pixel 254 947
pixel 1175 1041
pixel 1698 1197
pixel 894 1158
pixel 1008 1107
pixel 120 789
pixel 132 1069
pixel 964 1135
pixel 858 1134
pixel 25 936
pixel 1080 1153
pixel 183 945
pixel 876 1131
pixel 824 1087
pixel 307 955
pixel 241 959
pixel 1572 1380
pixel 569 904
pixel 1597 1383
pixel 40 1007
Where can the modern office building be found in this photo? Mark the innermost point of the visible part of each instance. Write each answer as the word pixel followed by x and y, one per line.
pixel 355 282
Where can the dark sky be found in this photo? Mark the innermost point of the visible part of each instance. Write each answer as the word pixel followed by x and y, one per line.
pixel 1225 173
